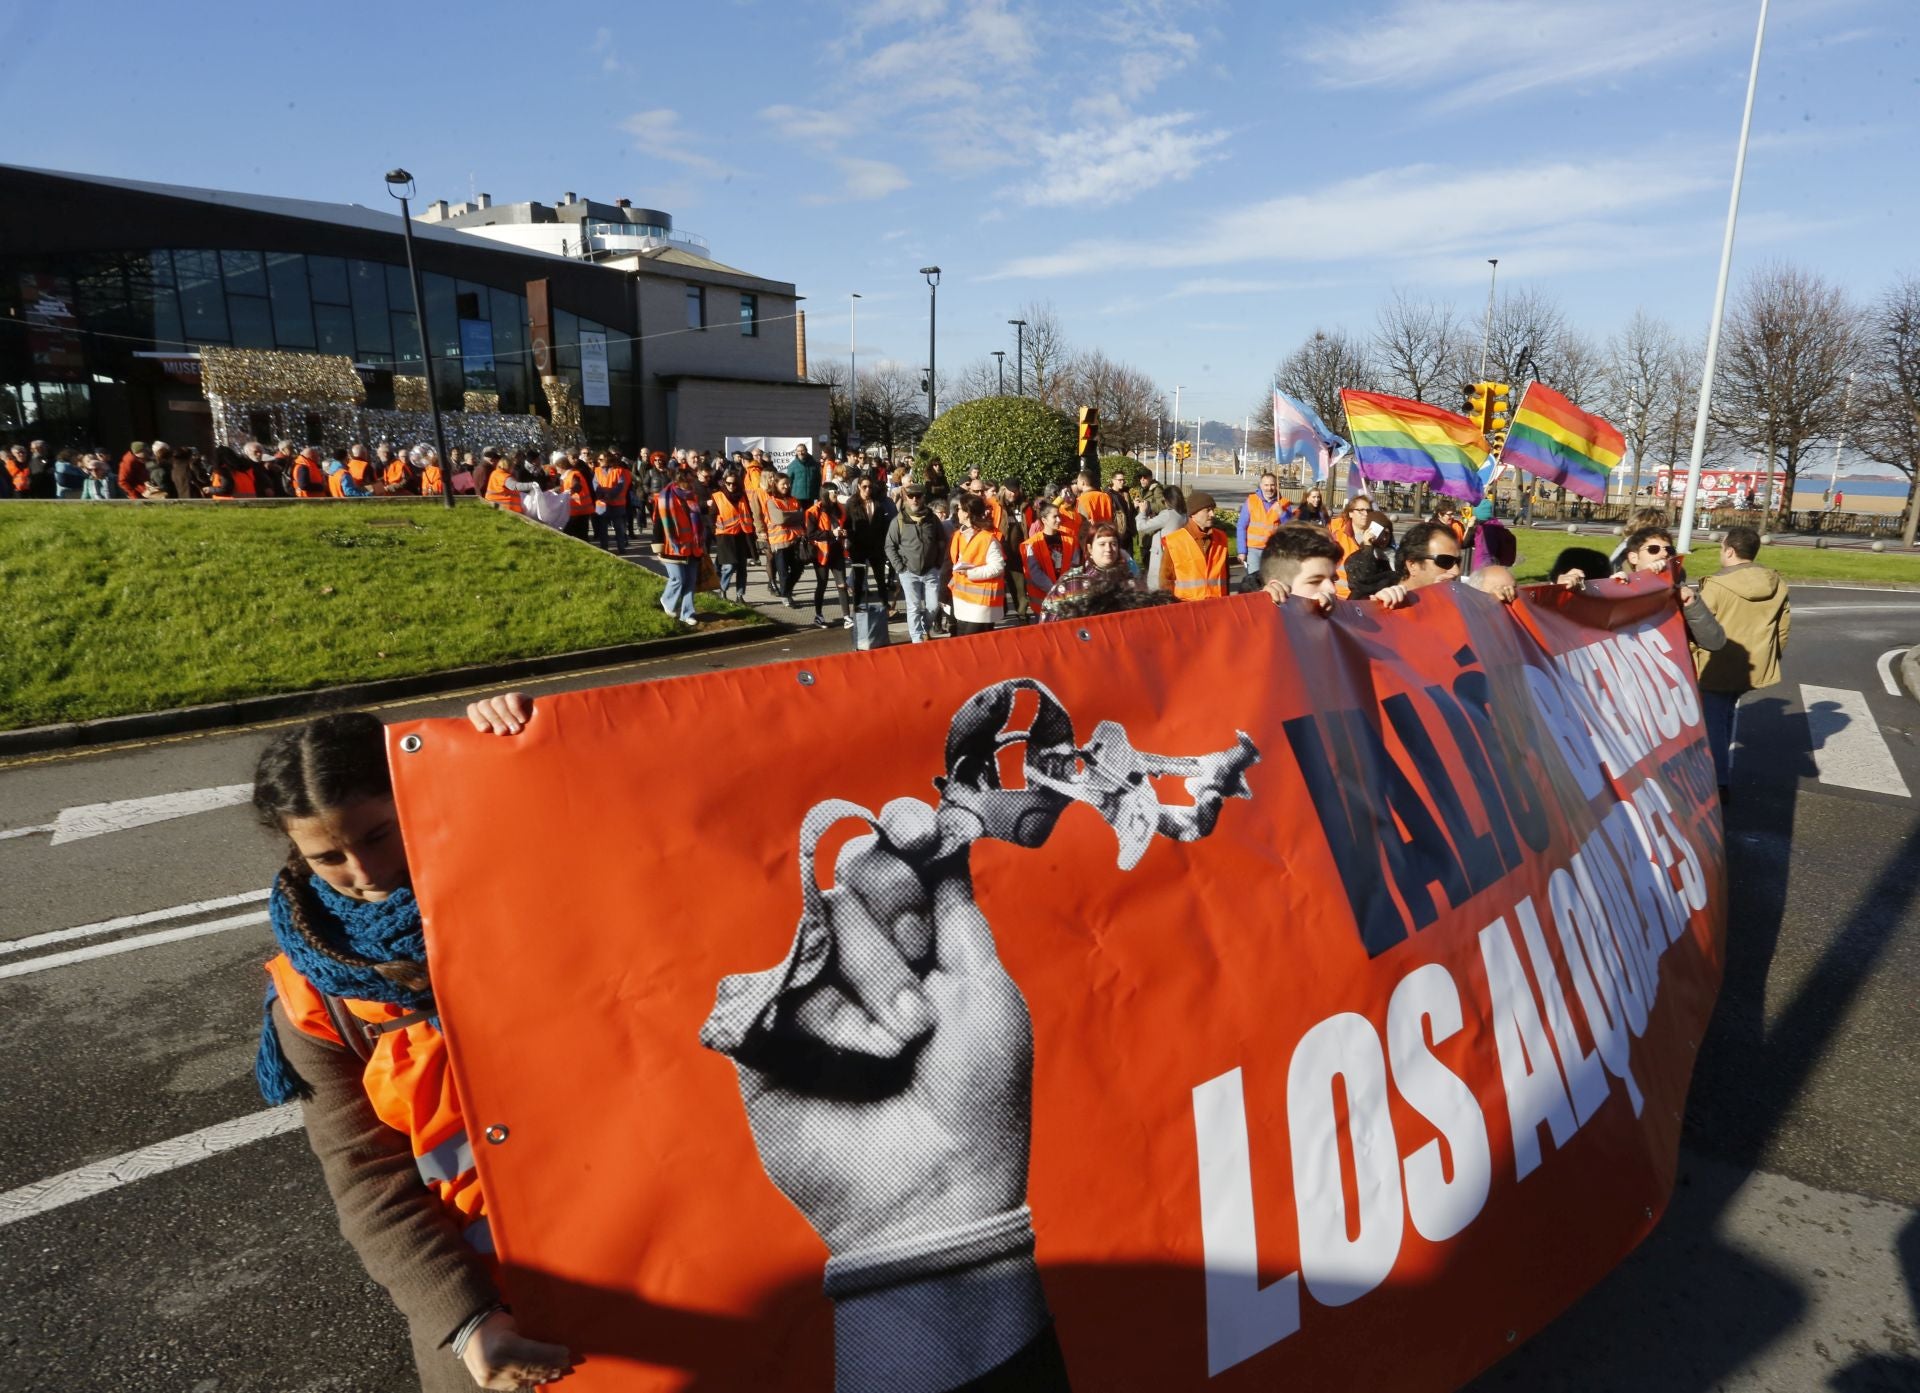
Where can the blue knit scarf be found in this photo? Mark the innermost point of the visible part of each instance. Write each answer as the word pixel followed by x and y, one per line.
pixel 387 931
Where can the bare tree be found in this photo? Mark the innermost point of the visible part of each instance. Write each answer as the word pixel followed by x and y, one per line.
pixel 1418 347
pixel 979 378
pixel 1047 355
pixel 1317 370
pixel 826 373
pixel 1790 341
pixel 891 406
pixel 1125 397
pixel 1640 383
pixel 1886 415
pixel 1526 326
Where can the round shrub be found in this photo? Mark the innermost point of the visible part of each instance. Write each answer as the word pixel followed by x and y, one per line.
pixel 1012 439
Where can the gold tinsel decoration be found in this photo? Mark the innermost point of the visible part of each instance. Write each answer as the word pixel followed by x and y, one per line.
pixel 487 403
pixel 410 394
pixel 565 406
pixel 258 377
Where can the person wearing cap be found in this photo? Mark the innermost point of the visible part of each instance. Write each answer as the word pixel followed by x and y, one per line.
pixel 916 548
pixel 1193 558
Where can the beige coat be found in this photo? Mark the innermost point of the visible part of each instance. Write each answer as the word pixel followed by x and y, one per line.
pixel 1750 602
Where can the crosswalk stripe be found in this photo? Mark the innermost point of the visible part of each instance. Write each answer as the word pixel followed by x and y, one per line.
pixel 130 921
pixel 129 945
pixel 129 1166
pixel 1848 749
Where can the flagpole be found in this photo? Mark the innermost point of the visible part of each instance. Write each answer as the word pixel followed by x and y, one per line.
pixel 1720 299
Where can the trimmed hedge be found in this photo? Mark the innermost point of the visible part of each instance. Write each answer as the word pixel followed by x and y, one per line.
pixel 1012 439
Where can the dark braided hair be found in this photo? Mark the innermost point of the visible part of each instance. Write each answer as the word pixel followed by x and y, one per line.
pixel 326 763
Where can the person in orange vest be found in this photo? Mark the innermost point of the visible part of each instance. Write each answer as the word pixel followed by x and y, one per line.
pixel 499 470
pixel 426 460
pixel 1263 511
pixel 1356 530
pixel 1193 559
pixel 827 540
pixel 234 475
pixel 1091 501
pixel 309 478
pixel 979 568
pixel 18 474
pixel 397 475
pixel 351 1031
pixel 612 503
pixel 360 469
pixel 1071 518
pixel 732 516
pixel 577 480
pixel 340 481
pixel 683 541
pixel 786 529
pixel 1047 554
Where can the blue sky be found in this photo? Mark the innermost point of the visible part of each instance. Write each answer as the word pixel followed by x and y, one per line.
pixel 1194 187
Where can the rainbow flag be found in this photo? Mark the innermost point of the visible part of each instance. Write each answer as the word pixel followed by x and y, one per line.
pixel 1555 439
pixel 1410 442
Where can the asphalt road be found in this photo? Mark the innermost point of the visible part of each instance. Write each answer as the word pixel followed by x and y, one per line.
pixel 1790 1259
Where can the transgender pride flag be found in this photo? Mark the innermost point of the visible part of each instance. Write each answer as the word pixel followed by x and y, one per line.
pixel 1298 432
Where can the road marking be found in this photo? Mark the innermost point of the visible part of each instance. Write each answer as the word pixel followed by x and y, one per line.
pixel 110 1174
pixel 97 819
pixel 129 945
pixel 26 831
pixel 131 921
pixel 1848 749
pixel 1886 670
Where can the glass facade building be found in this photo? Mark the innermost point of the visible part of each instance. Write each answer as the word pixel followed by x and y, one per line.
pixel 96 341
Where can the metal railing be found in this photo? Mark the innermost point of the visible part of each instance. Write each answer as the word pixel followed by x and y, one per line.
pixel 618 236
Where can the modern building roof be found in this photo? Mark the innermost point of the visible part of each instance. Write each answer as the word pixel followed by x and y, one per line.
pixel 303 209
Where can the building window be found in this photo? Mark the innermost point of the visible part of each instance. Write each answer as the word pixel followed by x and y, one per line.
pixel 696 307
pixel 750 315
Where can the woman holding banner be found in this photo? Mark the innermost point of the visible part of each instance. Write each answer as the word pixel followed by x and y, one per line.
pixel 350 1030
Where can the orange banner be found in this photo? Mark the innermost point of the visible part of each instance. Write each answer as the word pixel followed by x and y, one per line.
pixel 1245 997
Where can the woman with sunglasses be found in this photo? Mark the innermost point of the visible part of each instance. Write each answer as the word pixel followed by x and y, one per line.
pixel 1365 542
pixel 1650 551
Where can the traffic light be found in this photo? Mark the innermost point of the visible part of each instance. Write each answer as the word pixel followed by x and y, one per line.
pixel 1499 413
pixel 1089 446
pixel 1475 409
pixel 925 385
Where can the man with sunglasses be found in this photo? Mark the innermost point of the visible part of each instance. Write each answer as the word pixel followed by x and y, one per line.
pixel 1429 555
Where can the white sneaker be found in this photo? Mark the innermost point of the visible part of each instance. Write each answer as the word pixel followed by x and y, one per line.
pixel 691 623
pixel 847 623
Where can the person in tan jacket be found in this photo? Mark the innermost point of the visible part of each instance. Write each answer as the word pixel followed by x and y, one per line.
pixel 1750 601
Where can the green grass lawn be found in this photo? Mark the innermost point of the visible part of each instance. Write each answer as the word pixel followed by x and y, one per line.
pixel 114 609
pixel 1538 549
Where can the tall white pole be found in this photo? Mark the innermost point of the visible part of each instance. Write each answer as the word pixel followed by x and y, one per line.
pixel 853 366
pixel 1720 299
pixel 1486 334
pixel 1846 407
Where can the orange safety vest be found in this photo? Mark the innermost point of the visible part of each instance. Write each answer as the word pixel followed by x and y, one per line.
pixel 1341 530
pixel 973 551
pixel 1071 522
pixel 1095 506
pixel 242 483
pixel 359 469
pixel 997 511
pixel 731 519
pixel 432 481
pixel 400 476
pixel 783 520
pixel 21 477
pixel 498 492
pixel 679 524
pixel 410 1084
pixel 756 477
pixel 337 483
pixel 824 518
pixel 615 481
pixel 1040 559
pixel 310 480
pixel 579 491
pixel 1262 519
pixel 1197 575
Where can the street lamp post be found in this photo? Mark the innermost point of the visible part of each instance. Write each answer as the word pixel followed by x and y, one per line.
pixel 853 371
pixel 1000 365
pixel 1486 334
pixel 1019 356
pixel 400 185
pixel 932 273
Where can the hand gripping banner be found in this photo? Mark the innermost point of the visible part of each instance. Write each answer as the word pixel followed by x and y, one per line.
pixel 1216 996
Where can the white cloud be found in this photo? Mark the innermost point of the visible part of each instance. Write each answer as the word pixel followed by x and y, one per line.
pixel 659 133
pixel 871 178
pixel 1109 162
pixel 607 51
pixel 1395 215
pixel 809 125
pixel 1486 50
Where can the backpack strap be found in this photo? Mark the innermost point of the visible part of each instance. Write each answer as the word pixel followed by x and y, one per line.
pixel 361 1036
